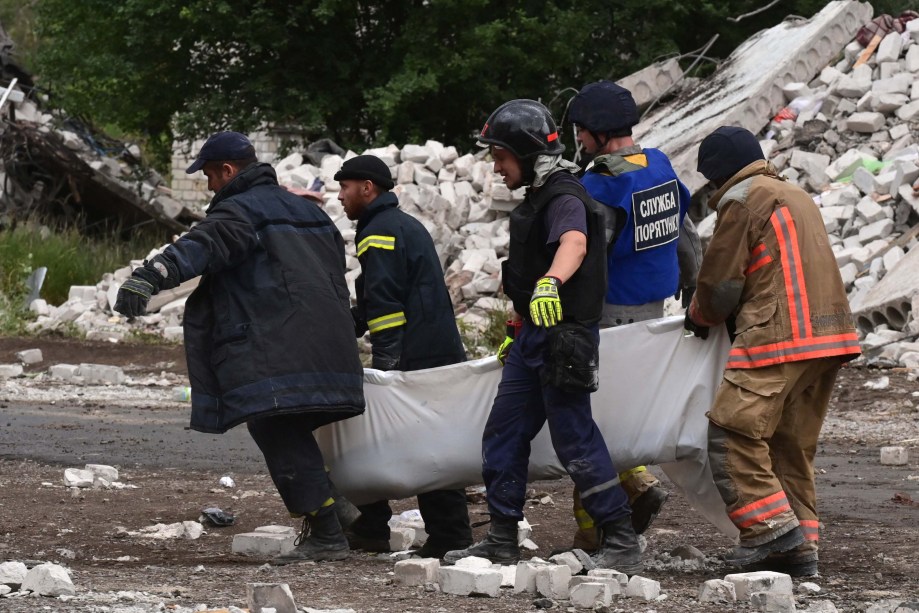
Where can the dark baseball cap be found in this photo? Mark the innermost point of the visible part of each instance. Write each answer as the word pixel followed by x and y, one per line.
pixel 603 106
pixel 366 168
pixel 223 146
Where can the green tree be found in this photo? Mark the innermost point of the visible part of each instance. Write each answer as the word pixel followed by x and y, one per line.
pixel 359 72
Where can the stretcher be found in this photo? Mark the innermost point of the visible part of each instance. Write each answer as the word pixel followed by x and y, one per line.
pixel 422 430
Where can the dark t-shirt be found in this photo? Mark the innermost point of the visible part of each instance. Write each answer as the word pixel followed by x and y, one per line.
pixel 563 214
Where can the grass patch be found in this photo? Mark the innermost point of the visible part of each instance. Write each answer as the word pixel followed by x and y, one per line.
pixel 70 257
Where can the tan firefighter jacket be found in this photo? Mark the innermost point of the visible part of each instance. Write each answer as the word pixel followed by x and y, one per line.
pixel 769 266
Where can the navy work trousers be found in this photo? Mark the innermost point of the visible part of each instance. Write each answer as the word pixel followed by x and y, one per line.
pixel 523 404
pixel 293 458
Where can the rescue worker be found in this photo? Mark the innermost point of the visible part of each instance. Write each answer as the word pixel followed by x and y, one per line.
pixel 769 271
pixel 268 329
pixel 403 301
pixel 555 276
pixel 656 253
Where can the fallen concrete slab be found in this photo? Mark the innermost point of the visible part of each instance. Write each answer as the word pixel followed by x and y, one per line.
pixel 889 302
pixel 747 89
pixel 652 81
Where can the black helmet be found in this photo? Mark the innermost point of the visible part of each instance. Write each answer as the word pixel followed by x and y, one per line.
pixel 603 107
pixel 524 127
pixel 726 151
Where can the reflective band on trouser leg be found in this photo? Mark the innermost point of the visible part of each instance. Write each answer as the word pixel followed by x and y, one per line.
pixel 634 471
pixel 386 321
pixel 811 529
pixel 760 511
pixel 377 241
pixel 325 504
pixel 600 488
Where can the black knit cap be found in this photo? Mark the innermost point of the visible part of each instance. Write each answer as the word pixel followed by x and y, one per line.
pixel 726 151
pixel 366 168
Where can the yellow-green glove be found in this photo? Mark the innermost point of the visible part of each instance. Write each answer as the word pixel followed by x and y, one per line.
pixel 545 305
pixel 505 349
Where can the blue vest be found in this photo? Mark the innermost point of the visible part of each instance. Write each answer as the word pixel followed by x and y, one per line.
pixel 643 263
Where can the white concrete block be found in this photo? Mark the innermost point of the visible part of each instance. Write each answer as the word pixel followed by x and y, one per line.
pixel 771 602
pixel 173 333
pixel 609 573
pixel 525 579
pixel 29 356
pixel 415 153
pixel 717 590
pixel 909 112
pixel 48 580
pixel 868 209
pixel 474 562
pixel 745 584
pixel 876 231
pixel 894 456
pixel 39 307
pixel 75 477
pixel 865 122
pixel 401 539
pixel 9 371
pixel 101 374
pixel 83 293
pixel 267 541
pixel 821 606
pixel 63 372
pixel 587 595
pixel 416 572
pixel 897 84
pixel 463 165
pixel 568 559
pixel 912 59
pixel 848 273
pixel 841 196
pixel 615 588
pixel 846 164
pixel 103 471
pixel 888 103
pixel 552 581
pixel 469 581
pixel 889 49
pixel 277 596
pixel 643 588
pixel 12 573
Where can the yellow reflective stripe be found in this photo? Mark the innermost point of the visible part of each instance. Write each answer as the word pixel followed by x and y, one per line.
pixel 634 471
pixel 584 520
pixel 378 241
pixel 325 504
pixel 387 321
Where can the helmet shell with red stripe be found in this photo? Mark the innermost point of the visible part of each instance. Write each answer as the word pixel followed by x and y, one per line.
pixel 524 127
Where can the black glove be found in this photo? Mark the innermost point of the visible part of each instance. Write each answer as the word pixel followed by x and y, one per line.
pixel 384 362
pixel 686 294
pixel 360 324
pixel 696 329
pixel 135 292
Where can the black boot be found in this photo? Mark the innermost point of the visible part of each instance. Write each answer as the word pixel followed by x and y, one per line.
pixel 499 546
pixel 745 556
pixel 619 548
pixel 321 538
pixel 646 507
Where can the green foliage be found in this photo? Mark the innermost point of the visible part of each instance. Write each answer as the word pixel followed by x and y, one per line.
pixel 485 340
pixel 360 73
pixel 70 257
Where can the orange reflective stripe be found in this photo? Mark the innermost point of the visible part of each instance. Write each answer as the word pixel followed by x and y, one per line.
pixel 811 529
pixel 552 137
pixel 761 510
pixel 794 350
pixel 758 259
pixel 795 290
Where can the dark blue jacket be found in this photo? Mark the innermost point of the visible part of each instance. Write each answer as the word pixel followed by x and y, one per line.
pixel 401 294
pixel 268 330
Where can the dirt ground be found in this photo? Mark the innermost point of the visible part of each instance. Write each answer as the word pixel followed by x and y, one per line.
pixel 870 513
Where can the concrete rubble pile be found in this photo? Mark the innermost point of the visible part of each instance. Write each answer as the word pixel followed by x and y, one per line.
pixel 847 136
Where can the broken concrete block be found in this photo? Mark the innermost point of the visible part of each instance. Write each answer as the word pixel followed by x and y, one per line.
pixel 814 164
pixel 865 122
pixel 525 578
pixel 63 372
pixel 889 49
pixel 277 596
pixel 82 293
pixel 846 164
pixel 9 371
pixel 897 84
pixel 474 562
pixel 569 559
pixel 889 302
pixel 101 374
pixel 102 471
pixel 265 541
pixel 840 196
pixel 894 456
pixel 416 572
pixel 587 595
pixel 643 588
pixel 746 584
pixel 469 581
pixel 401 539
pixel 909 112
pixel 508 574
pixel 29 356
pixel 854 84
pixel 173 333
pixel 75 477
pixel 650 82
pixel 615 588
pixel 12 573
pixel 48 580
pixel 821 606
pixel 717 590
pixel 876 231
pixel 888 103
pixel 552 581
pixel 770 602
pixel 911 61
pixel 415 153
pixel 39 307
pixel 609 573
pixel 868 209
